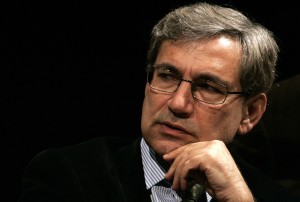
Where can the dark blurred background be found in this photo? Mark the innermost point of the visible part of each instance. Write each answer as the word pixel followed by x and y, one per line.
pixel 74 70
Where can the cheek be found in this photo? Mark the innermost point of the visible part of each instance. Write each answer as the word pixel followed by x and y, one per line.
pixel 153 102
pixel 146 106
pixel 153 105
pixel 145 113
pixel 150 106
pixel 230 122
pixel 218 123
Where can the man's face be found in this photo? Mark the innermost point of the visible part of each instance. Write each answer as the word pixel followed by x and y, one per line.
pixel 176 119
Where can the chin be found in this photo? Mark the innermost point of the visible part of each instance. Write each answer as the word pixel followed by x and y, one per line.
pixel 165 147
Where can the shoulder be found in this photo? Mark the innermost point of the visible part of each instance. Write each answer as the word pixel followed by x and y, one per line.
pixel 73 172
pixel 91 148
pixel 86 154
pixel 110 144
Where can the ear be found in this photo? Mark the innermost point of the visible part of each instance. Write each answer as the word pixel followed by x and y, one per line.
pixel 253 110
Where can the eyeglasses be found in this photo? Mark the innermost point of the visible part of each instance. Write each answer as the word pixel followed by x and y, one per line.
pixel 165 80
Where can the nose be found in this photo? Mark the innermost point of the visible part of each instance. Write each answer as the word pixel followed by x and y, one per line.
pixel 182 101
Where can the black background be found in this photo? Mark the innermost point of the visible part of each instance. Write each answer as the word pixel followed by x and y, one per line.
pixel 74 70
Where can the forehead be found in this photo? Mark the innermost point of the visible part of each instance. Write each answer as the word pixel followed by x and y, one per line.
pixel 219 57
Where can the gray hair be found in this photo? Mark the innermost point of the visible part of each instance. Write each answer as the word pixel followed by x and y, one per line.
pixel 202 21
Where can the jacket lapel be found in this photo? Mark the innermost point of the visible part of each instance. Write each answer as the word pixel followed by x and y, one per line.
pixel 129 171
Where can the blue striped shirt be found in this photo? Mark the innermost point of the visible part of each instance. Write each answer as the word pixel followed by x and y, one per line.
pixel 154 173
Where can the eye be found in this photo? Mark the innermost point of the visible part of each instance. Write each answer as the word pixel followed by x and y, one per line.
pixel 210 87
pixel 165 74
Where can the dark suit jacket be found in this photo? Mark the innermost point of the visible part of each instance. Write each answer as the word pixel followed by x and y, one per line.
pixel 110 169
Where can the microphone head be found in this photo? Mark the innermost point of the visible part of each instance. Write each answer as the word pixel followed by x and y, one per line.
pixel 193 193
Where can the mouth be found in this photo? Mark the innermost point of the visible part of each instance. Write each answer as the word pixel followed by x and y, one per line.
pixel 173 129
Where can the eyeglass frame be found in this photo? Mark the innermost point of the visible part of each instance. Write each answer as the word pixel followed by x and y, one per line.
pixel 152 68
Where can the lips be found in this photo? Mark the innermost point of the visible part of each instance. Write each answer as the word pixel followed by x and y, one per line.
pixel 174 129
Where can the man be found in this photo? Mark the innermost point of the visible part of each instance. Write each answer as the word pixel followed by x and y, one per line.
pixel 208 74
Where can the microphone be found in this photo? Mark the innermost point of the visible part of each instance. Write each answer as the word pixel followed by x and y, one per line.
pixel 194 192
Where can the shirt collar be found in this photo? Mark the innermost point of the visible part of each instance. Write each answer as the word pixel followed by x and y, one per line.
pixel 154 172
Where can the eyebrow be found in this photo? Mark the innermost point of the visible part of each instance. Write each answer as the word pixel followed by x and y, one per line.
pixel 169 67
